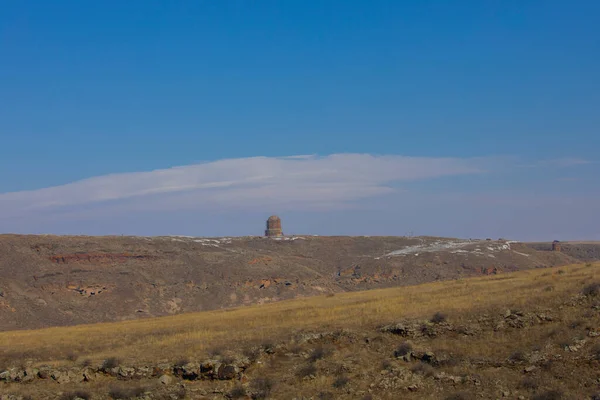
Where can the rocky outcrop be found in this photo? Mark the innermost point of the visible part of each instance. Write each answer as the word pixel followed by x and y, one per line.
pixel 96 258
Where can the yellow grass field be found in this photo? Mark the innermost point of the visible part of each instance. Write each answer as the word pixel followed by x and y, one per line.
pixel 195 334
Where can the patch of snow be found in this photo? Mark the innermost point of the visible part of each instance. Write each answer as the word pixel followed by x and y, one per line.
pixel 522 254
pixel 428 248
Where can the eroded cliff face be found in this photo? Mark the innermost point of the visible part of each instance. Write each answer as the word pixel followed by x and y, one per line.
pixel 64 280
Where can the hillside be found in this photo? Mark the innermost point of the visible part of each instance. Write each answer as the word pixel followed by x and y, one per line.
pixel 524 335
pixel 61 280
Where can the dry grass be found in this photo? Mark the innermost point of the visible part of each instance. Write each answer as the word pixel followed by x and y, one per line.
pixel 194 334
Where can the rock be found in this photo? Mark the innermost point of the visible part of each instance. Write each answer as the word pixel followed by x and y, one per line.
pixel 506 393
pixel 88 375
pixel 30 374
pixel 125 372
pixel 44 372
pixel 507 314
pixel 226 372
pixel 189 371
pixel 412 388
pixel 530 369
pixel 4 376
pixel 165 380
pixel 425 356
pixel 60 377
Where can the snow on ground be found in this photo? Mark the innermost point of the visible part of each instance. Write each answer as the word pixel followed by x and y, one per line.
pixel 428 248
pixel 289 238
pixel 455 247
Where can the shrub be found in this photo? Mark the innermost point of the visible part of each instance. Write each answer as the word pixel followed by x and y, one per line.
pixel 438 318
pixel 529 384
pixel 252 353
pixel 75 395
pixel 307 370
pixel 549 395
pixel 262 387
pixel 125 393
pixel 592 290
pixel 596 351
pixel 518 356
pixel 238 392
pixel 228 359
pixel 458 396
pixel 72 357
pixel 326 396
pixel 403 349
pixel 319 353
pixel 341 381
pixel 181 362
pixel 110 363
pixel 86 363
pixel 422 369
pixel 386 364
pixel 216 352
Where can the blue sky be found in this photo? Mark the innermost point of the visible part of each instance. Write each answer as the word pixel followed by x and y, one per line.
pixel 486 111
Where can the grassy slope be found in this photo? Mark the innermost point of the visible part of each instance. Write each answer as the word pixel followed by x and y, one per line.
pixel 195 334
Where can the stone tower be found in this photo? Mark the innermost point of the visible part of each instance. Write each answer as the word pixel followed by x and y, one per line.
pixel 556 246
pixel 273 227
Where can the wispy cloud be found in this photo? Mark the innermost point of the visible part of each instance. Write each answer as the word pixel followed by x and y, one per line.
pixel 297 181
pixel 560 163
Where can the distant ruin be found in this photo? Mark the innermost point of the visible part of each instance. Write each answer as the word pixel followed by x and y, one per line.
pixel 273 227
pixel 556 246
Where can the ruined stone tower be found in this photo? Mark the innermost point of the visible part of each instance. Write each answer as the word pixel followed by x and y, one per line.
pixel 273 227
pixel 556 246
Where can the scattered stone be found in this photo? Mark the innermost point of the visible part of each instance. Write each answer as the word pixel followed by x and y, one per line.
pixel 165 380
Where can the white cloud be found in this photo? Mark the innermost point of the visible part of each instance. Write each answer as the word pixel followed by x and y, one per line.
pixel 297 181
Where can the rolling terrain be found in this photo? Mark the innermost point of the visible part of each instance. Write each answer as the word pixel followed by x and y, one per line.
pixel 67 280
pixel 531 334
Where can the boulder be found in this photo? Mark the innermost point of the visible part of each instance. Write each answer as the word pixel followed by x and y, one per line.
pixel 189 371
pixel 227 372
pixel 165 380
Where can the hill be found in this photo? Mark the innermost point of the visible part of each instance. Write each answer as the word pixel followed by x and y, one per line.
pixel 66 280
pixel 525 335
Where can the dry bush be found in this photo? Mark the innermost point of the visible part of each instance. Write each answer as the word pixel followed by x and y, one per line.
pixel 403 349
pixel 518 356
pixel 423 369
pixel 549 395
pixel 591 290
pixel 253 353
pixel 109 363
pixel 319 353
pixel 596 351
pixel 459 396
pixel 79 394
pixel 125 393
pixel 438 318
pixel 262 388
pixel 307 370
pixel 181 362
pixel 238 392
pixel 341 381
pixel 529 383
pixel 216 352
pixel 72 357
pixel 386 364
